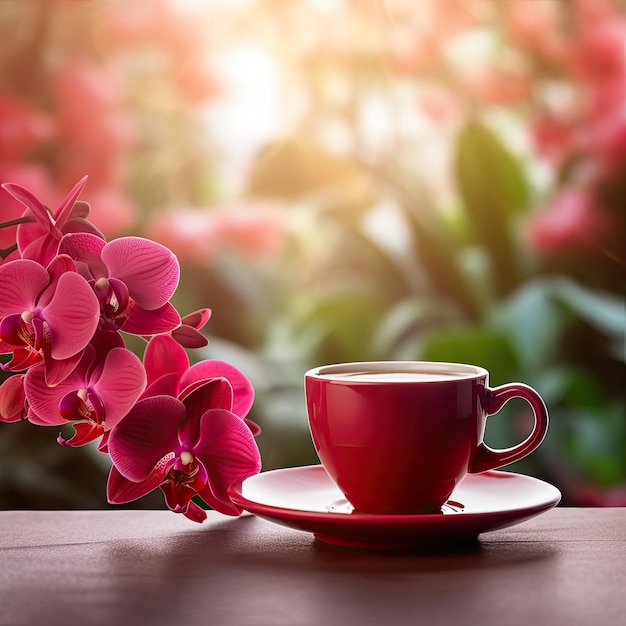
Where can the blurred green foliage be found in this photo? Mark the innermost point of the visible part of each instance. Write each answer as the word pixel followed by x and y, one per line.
pixel 404 227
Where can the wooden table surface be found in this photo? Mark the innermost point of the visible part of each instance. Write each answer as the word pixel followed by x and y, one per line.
pixel 119 568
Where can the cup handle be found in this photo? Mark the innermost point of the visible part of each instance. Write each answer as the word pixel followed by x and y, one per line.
pixel 485 457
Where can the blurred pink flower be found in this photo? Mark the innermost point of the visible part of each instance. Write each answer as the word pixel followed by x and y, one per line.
pixel 191 234
pixel 609 146
pixel 440 104
pixel 589 495
pixel 94 127
pixel 254 231
pixel 499 86
pixel 422 31
pixel 604 100
pixel 536 27
pixel 572 222
pixel 113 211
pixel 552 135
pixel 597 54
pixel 179 34
pixel 22 128
pixel 86 94
pixel 590 12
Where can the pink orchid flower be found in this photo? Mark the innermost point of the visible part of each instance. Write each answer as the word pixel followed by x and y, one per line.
pixel 133 278
pixel 168 372
pixel 190 445
pixel 47 315
pixel 94 397
pixel 39 240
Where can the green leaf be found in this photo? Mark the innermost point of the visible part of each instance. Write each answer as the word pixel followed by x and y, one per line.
pixel 434 245
pixel 343 318
pixel 494 191
pixel 594 441
pixel 533 322
pixel 436 253
pixel 402 327
pixel 486 347
pixel 603 311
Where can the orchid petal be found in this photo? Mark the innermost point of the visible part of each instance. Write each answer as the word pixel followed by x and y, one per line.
pixel 39 240
pixel 85 248
pixel 150 322
pixel 40 249
pixel 228 452
pixel 84 433
pixel 226 401
pixel 67 206
pixel 122 381
pixel 195 513
pixel 162 356
pixel 150 270
pixel 21 281
pixel 15 333
pixel 255 429
pixel 177 497
pixel 166 385
pixel 29 231
pixel 189 337
pixel 103 444
pixel 198 398
pixel 73 315
pixel 23 358
pixel 59 265
pixel 121 490
pixel 12 399
pixel 81 225
pixel 145 436
pixel 58 370
pixel 80 210
pixel 215 393
pixel 105 339
pixel 28 199
pixel 198 319
pixel 212 368
pixel 227 508
pixel 188 334
pixel 43 400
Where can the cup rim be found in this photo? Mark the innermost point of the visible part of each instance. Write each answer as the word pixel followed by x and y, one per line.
pixel 333 371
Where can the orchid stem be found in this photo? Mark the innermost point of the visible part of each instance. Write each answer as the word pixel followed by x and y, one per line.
pixel 17 221
pixel 4 253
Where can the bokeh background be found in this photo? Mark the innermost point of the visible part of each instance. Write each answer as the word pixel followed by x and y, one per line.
pixel 346 180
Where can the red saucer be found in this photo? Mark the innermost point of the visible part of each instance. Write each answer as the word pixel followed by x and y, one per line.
pixel 305 498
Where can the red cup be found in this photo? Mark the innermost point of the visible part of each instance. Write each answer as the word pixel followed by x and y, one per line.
pixel 398 436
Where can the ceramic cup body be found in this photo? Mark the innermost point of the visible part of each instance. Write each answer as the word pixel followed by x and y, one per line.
pixel 398 436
